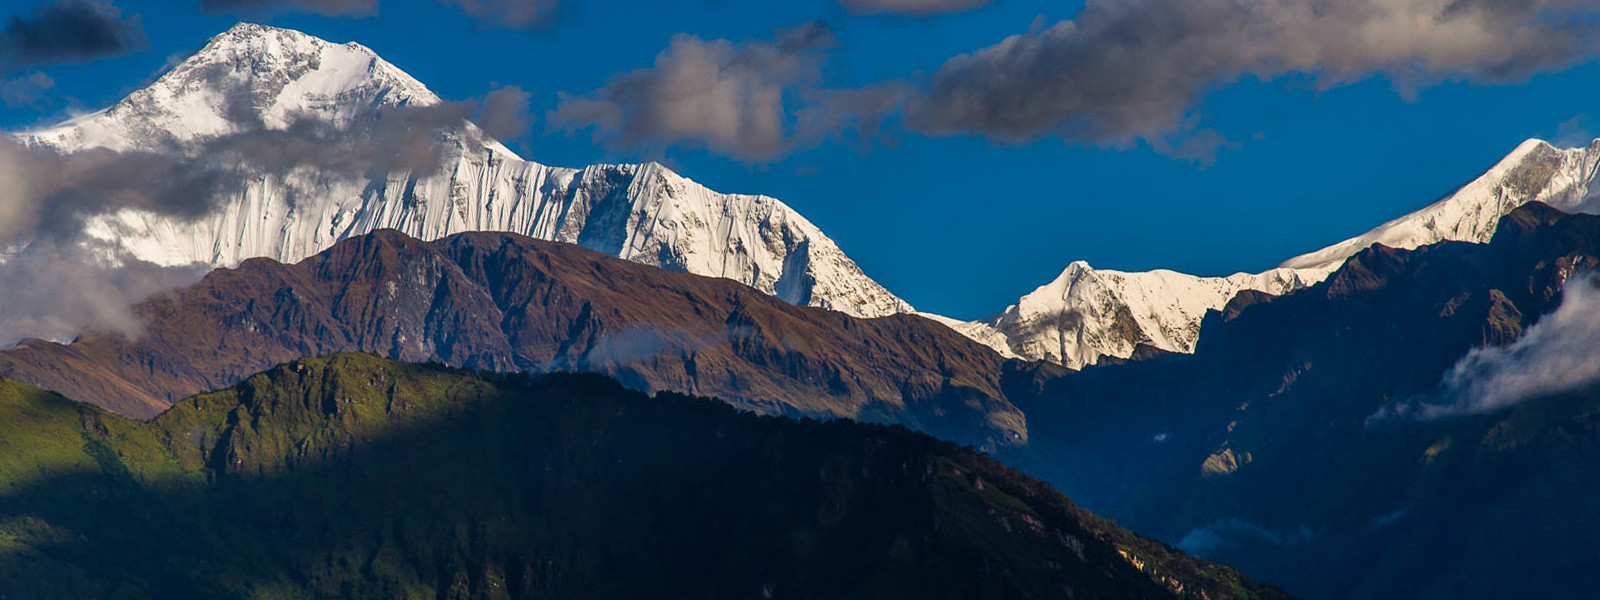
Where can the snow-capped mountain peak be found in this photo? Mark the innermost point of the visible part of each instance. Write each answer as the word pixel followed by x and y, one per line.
pixel 249 76
pixel 1087 314
pixel 254 77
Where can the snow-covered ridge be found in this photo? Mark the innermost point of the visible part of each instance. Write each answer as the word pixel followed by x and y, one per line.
pixel 1086 314
pixel 1535 171
pixel 264 77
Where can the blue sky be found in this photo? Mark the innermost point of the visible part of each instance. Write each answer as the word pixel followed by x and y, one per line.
pixel 956 224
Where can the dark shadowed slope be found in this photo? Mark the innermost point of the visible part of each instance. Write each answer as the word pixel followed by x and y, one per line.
pixel 504 302
pixel 1263 449
pixel 357 477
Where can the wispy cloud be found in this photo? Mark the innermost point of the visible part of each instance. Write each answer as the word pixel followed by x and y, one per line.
pixel 1558 354
pixel 511 14
pixel 28 90
pixel 1227 534
pixel 57 291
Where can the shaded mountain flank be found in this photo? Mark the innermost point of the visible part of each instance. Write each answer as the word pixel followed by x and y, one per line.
pixel 353 476
pixel 505 302
pixel 1297 443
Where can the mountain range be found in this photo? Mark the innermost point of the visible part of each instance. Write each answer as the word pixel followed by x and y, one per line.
pixel 1088 314
pixel 1414 412
pixel 255 78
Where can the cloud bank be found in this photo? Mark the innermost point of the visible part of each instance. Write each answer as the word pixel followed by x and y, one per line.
pixel 1126 71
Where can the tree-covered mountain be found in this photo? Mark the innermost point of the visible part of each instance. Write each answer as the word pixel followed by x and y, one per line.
pixel 1324 440
pixel 504 302
pixel 354 476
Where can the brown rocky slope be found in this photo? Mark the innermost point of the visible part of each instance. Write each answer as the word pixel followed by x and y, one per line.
pixel 505 302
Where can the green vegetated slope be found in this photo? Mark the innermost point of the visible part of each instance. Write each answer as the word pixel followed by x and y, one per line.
pixel 357 477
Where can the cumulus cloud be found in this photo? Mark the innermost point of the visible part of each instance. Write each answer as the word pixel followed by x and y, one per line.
pixel 736 99
pixel 1126 71
pixel 68 31
pixel 1560 353
pixel 911 7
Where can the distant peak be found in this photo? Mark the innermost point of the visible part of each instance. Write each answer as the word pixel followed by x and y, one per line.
pixel 248 32
pixel 248 28
pixel 249 75
pixel 265 40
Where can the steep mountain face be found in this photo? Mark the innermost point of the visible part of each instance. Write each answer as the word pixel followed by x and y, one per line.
pixel 356 477
pixel 503 302
pixel 1087 315
pixel 1291 444
pixel 255 79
